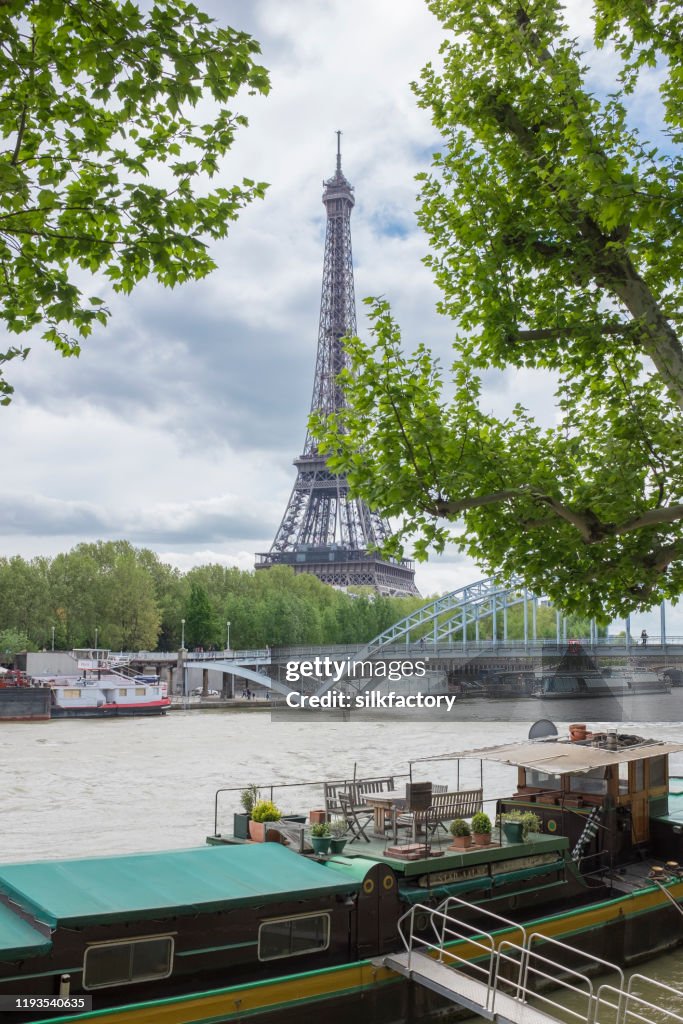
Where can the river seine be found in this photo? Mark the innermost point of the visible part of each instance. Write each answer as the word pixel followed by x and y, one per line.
pixel 73 788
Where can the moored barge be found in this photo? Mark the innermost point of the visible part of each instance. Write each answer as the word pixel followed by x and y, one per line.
pixel 241 929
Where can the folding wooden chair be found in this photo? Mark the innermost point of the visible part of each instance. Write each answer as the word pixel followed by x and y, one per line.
pixel 357 817
pixel 416 811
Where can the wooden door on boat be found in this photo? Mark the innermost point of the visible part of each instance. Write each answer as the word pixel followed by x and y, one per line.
pixel 378 911
pixel 640 805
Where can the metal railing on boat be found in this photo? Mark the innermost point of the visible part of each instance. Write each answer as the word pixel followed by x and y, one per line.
pixel 501 976
pixel 269 789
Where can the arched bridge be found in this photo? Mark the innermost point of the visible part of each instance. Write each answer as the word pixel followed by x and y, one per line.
pixel 459 615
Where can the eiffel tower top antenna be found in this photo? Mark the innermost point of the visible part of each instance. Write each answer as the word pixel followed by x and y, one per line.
pixel 339 135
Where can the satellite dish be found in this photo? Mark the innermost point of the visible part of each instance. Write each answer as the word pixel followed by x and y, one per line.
pixel 543 729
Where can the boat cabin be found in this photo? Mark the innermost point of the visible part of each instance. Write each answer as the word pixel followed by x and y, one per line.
pixel 607 792
pixel 152 925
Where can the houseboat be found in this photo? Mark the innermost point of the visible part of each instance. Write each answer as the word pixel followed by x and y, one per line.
pixel 235 929
pixel 109 696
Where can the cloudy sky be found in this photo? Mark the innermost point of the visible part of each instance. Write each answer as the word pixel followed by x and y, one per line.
pixel 178 425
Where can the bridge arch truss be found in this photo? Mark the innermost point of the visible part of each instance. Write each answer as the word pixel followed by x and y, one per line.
pixel 459 614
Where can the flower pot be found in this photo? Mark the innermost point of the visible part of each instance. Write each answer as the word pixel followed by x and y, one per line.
pixel 577 732
pixel 337 845
pixel 320 844
pixel 461 843
pixel 240 826
pixel 513 831
pixel 481 838
pixel 318 817
pixel 257 831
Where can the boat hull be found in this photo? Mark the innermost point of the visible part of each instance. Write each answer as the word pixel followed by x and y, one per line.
pixel 624 930
pixel 24 704
pixel 120 711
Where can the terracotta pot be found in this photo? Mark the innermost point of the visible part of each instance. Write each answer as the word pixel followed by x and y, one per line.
pixel 317 817
pixel 257 831
pixel 577 732
pixel 461 843
pixel 481 838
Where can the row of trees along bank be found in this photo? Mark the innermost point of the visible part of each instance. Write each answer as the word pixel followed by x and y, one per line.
pixel 137 602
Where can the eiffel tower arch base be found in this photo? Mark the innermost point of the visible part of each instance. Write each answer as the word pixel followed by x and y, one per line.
pixel 344 569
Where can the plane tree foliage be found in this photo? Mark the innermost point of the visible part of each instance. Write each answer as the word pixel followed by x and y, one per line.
pixel 553 217
pixel 114 115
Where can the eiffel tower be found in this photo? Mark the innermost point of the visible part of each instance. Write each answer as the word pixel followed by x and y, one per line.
pixel 325 531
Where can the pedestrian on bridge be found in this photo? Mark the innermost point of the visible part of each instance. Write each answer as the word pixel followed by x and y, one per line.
pixel 644 638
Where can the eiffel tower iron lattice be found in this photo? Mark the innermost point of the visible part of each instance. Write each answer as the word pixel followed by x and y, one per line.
pixel 325 531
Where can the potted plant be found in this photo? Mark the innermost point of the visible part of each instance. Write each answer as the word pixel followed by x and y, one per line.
pixel 530 823
pixel 511 822
pixel 262 812
pixel 481 829
pixel 462 834
pixel 338 830
pixel 518 824
pixel 248 798
pixel 320 837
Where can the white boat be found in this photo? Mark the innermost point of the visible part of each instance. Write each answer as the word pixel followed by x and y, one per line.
pixel 110 696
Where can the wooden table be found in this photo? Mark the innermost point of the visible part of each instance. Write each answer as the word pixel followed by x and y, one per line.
pixel 385 805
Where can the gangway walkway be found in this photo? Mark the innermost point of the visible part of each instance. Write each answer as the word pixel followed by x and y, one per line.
pixel 500 976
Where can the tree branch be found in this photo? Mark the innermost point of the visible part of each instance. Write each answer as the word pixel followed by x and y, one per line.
pixel 653 517
pixel 590 527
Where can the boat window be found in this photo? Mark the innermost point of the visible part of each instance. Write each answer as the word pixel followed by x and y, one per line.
pixel 123 963
pixel 594 781
pixel 123 693
pixel 657 771
pixel 293 936
pixel 71 692
pixel 638 776
pixel 623 777
pixel 539 780
pixel 139 691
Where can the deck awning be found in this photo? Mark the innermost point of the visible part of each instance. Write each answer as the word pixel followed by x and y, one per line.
pixel 18 939
pixel 563 758
pixel 145 886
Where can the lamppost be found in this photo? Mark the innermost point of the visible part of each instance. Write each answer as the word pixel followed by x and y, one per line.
pixel 53 638
pixel 227 646
pixel 97 632
pixel 181 658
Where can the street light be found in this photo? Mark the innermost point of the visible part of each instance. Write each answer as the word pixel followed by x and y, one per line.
pixel 182 635
pixel 227 646
pixel 53 638
pixel 96 635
